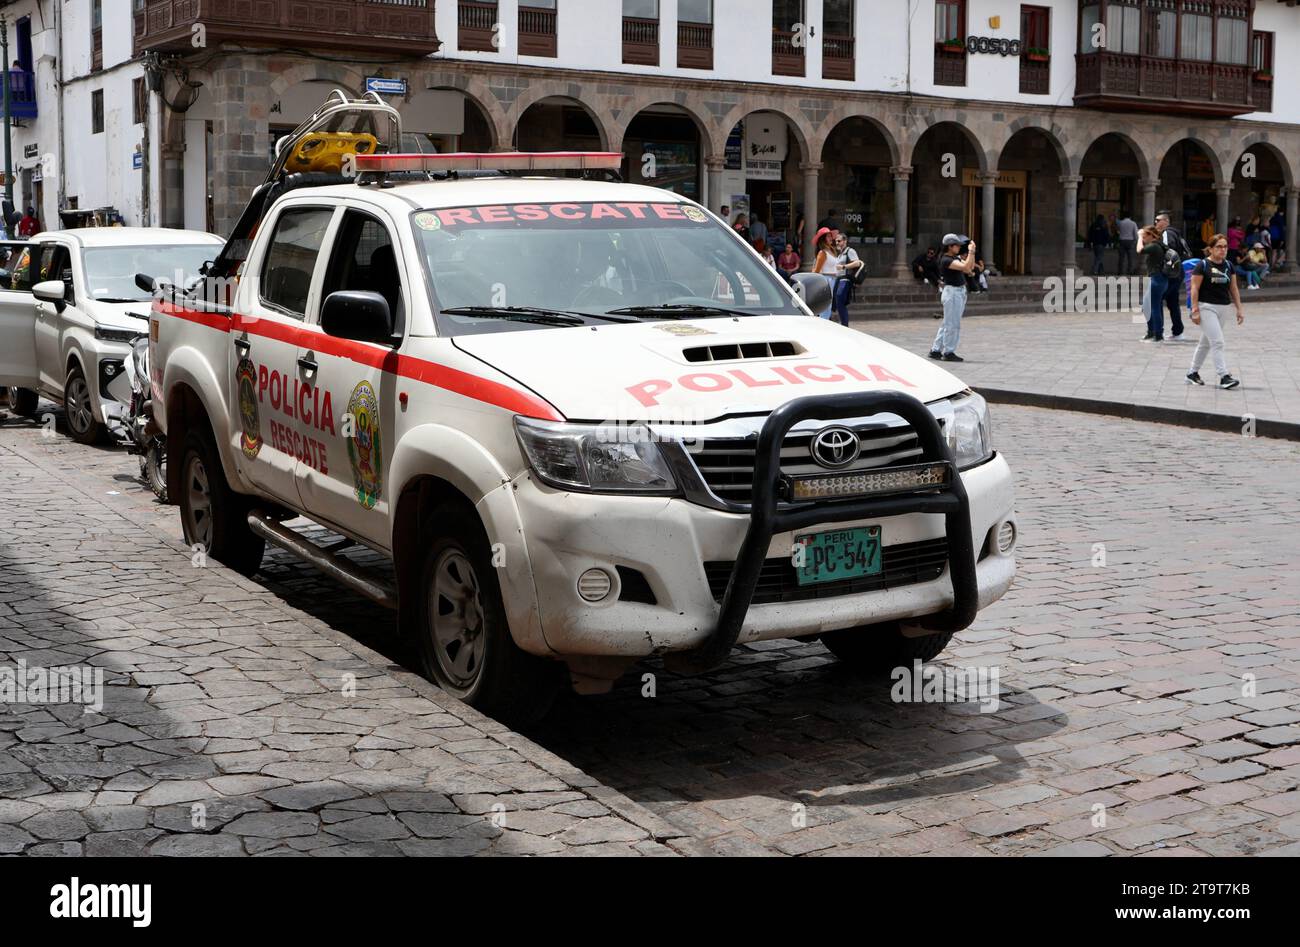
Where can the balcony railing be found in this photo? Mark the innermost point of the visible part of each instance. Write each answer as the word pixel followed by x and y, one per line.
pixel 22 94
pixel 695 45
pixel 1148 84
pixel 372 26
pixel 536 31
pixel 1261 93
pixel 837 57
pixel 1035 76
pixel 640 41
pixel 949 65
pixel 476 24
pixel 787 55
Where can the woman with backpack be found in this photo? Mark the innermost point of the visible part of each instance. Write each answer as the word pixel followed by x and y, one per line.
pixel 1214 289
pixel 1154 253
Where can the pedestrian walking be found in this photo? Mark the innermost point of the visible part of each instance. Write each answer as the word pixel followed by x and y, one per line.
pixel 1127 235
pixel 1153 256
pixel 1173 240
pixel 1099 239
pixel 845 265
pixel 1214 289
pixel 953 270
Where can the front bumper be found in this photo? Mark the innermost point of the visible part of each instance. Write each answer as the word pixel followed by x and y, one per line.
pixel 668 541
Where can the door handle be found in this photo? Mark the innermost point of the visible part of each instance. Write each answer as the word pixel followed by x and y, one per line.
pixel 243 347
pixel 308 365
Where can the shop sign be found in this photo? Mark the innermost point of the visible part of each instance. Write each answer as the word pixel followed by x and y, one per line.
pixel 993 44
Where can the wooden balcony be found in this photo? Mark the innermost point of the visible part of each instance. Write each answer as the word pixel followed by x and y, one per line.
pixel 536 31
pixel 694 45
pixel 949 66
pixel 476 24
pixel 640 41
pixel 1171 86
pixel 787 57
pixel 837 57
pixel 1035 76
pixel 404 27
pixel 1261 94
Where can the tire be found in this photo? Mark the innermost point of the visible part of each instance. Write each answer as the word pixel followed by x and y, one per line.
pixel 470 654
pixel 881 648
pixel 153 467
pixel 22 402
pixel 79 408
pixel 212 515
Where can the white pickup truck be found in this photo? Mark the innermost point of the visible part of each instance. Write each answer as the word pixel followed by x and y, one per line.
pixel 587 423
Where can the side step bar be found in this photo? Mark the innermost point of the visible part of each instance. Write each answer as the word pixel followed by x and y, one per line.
pixel 336 567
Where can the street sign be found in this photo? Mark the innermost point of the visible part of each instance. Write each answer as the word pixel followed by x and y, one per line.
pixel 386 86
pixel 137 161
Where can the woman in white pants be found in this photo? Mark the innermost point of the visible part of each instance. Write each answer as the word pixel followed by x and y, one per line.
pixel 1214 289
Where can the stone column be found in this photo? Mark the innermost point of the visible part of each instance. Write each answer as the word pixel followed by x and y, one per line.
pixel 713 170
pixel 1292 211
pixel 172 212
pixel 1070 185
pixel 1222 192
pixel 989 197
pixel 1147 188
pixel 902 175
pixel 811 177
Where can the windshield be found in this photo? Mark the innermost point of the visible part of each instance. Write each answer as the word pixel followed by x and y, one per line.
pixel 110 271
pixel 600 263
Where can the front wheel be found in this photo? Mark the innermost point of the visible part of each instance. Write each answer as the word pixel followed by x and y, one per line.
pixel 22 402
pixel 153 467
pixel 80 409
pixel 464 638
pixel 213 516
pixel 880 648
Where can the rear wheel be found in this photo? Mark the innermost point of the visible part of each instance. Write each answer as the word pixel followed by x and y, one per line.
pixel 22 402
pixel 80 409
pixel 464 638
pixel 153 467
pixel 879 648
pixel 212 515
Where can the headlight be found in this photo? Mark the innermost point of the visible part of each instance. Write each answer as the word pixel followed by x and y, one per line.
pixel 969 433
pixel 115 335
pixel 140 359
pixel 595 458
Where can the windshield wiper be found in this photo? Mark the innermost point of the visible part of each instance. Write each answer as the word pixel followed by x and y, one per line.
pixel 117 299
pixel 550 317
pixel 681 310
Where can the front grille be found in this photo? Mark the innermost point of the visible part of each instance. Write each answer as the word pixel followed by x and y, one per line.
pixel 902 564
pixel 727 464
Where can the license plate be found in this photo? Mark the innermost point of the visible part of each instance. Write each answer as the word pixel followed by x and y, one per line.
pixel 839 554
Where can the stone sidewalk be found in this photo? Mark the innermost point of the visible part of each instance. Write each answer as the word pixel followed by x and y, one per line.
pixel 1098 358
pixel 232 722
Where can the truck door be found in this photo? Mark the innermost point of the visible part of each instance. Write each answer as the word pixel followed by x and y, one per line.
pixel 18 368
pixel 52 261
pixel 353 398
pixel 265 389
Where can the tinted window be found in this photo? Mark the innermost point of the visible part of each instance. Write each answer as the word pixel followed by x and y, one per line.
pixel 16 266
pixel 291 260
pixel 364 261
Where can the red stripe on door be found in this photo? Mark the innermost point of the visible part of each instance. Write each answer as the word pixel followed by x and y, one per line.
pixel 375 356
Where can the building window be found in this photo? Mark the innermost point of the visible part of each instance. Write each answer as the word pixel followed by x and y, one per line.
pixel 537 32
pixel 695 34
pixel 1231 41
pixel 96 35
pixel 1035 50
pixel 97 112
pixel 1197 38
pixel 838 44
pixel 476 25
pixel 641 32
pixel 789 37
pixel 140 101
pixel 950 42
pixel 1261 64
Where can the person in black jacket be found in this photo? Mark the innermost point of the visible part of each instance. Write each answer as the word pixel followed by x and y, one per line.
pixel 1173 240
pixel 925 266
pixel 1099 239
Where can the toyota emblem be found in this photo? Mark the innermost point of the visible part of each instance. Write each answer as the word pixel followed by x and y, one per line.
pixel 835 447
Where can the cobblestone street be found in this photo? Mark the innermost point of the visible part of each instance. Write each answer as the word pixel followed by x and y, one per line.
pixel 1158 590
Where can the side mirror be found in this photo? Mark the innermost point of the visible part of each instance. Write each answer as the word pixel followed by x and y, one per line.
pixel 146 282
pixel 361 316
pixel 815 290
pixel 53 291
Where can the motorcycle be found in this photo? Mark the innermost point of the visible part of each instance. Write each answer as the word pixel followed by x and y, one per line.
pixel 143 437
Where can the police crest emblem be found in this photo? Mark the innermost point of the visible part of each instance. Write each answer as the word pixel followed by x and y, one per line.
pixel 250 442
pixel 365 446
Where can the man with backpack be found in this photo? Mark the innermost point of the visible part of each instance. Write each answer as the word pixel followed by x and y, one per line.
pixel 1176 251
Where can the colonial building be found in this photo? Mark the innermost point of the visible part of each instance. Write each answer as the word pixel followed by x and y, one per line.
pixel 902 119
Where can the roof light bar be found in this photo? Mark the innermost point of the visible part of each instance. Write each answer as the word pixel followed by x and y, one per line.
pixel 494 161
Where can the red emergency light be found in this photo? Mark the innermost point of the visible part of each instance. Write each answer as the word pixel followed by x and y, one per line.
pixel 494 161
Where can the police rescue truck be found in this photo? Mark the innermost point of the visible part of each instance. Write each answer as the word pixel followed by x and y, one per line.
pixel 584 419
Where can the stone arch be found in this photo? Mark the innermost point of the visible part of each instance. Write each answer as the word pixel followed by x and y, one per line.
pixel 1147 168
pixel 623 116
pixel 1056 136
pixel 317 72
pixel 476 91
pixel 795 119
pixel 1173 140
pixel 919 126
pixel 877 120
pixel 1260 139
pixel 570 92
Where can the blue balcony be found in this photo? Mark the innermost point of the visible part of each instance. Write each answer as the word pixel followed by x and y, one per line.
pixel 22 94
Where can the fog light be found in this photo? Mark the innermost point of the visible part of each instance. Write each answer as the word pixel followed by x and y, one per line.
pixel 887 480
pixel 110 369
pixel 594 585
pixel 1006 537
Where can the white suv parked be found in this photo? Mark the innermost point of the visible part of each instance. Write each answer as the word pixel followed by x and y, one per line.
pixel 70 310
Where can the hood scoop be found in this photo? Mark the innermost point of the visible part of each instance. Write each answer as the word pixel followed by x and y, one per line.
pixel 739 351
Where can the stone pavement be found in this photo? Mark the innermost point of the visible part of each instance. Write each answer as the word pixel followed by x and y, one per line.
pixel 1124 725
pixel 232 722
pixel 1097 356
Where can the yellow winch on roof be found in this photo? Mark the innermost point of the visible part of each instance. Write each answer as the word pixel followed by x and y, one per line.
pixel 325 151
